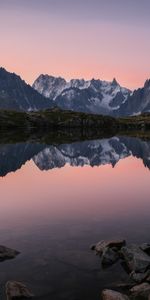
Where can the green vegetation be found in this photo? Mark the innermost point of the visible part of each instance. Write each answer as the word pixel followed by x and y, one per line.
pixel 66 126
pixel 135 122
pixel 55 119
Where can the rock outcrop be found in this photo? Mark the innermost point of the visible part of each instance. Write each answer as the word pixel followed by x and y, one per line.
pixel 7 253
pixel 136 259
pixel 113 295
pixel 17 290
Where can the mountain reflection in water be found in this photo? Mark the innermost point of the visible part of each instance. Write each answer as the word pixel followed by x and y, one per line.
pixel 92 153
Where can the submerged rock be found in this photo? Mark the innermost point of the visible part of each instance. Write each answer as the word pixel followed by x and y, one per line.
pixel 113 295
pixel 7 253
pixel 125 285
pixel 92 247
pixel 141 291
pixel 148 279
pixel 109 257
pixel 140 287
pixel 135 258
pixel 100 246
pixel 17 290
pixel 139 277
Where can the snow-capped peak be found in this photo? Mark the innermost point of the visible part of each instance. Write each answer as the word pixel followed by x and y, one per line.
pixel 95 95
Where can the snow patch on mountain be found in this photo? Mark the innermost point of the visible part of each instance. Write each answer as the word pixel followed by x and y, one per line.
pixel 93 95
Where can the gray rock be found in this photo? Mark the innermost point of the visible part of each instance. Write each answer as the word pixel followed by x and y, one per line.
pixel 148 279
pixel 141 291
pixel 113 295
pixel 109 257
pixel 92 247
pixel 145 247
pixel 7 253
pixel 135 258
pixel 100 246
pixel 16 289
pixel 139 277
pixel 125 285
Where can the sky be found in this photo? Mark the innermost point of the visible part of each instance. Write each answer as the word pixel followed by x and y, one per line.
pixel 76 39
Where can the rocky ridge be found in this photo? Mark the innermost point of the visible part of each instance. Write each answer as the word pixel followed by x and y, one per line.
pixel 92 96
pixel 16 94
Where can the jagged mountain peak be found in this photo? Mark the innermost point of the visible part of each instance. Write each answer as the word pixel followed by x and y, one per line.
pixel 115 82
pixel 93 96
pixel 3 70
pixel 138 102
pixel 16 94
pixel 50 77
pixel 147 84
pixel 4 74
pixel 49 86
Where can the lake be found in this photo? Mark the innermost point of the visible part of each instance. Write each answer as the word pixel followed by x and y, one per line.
pixel 58 199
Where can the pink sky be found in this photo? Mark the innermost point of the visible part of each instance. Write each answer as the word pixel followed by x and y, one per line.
pixel 60 42
pixel 83 193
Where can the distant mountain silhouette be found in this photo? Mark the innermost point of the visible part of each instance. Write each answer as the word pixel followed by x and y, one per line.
pixel 15 94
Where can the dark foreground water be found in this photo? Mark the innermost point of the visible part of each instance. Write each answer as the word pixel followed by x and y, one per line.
pixel 55 201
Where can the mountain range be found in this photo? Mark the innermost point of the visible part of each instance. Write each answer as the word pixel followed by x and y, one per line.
pixel 15 94
pixel 91 153
pixel 93 96
pixel 90 96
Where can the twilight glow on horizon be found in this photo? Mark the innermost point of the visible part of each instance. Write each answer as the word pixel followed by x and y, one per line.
pixel 76 39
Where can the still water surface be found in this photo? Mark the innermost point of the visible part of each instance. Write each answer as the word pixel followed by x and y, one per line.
pixel 58 200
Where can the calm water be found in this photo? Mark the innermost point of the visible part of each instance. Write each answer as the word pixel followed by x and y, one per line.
pixel 58 200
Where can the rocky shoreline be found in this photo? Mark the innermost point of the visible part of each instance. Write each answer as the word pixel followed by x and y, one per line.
pixel 136 261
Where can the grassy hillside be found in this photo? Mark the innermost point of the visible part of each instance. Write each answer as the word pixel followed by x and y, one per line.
pixel 56 119
pixel 135 122
pixel 65 126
